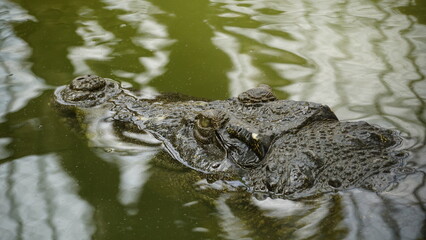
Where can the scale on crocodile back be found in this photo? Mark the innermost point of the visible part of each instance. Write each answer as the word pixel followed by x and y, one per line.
pixel 281 148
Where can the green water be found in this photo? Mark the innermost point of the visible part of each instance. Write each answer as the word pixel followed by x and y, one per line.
pixel 365 59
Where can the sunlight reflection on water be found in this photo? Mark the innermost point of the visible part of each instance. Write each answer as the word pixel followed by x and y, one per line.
pixel 41 202
pixel 366 60
pixel 18 84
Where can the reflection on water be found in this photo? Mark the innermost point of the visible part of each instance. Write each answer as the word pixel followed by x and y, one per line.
pixel 130 151
pixel 347 55
pixel 365 59
pixel 17 83
pixel 231 225
pixel 39 201
pixel 103 45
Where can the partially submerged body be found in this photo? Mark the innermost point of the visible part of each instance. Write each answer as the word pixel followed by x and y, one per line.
pixel 281 148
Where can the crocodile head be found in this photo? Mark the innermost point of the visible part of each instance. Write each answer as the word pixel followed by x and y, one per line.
pixel 277 146
pixel 215 136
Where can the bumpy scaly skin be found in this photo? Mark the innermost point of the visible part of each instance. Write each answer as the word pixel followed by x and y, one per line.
pixel 88 91
pixel 283 148
pixel 326 156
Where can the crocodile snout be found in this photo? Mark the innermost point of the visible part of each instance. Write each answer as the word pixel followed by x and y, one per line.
pixel 87 91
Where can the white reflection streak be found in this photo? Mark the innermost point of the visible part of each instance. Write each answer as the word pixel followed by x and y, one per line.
pixel 401 56
pixel 311 222
pixel 280 208
pixel 407 201
pixel 4 153
pixel 394 214
pixel 153 36
pixel 96 41
pixel 357 54
pixel 18 84
pixel 41 202
pixel 243 75
pixel 366 215
pixel 133 175
pixel 155 66
pixel 246 73
pixel 319 40
pixel 131 158
pixel 360 52
pixel 233 227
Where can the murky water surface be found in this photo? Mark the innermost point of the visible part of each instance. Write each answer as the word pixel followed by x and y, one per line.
pixel 365 59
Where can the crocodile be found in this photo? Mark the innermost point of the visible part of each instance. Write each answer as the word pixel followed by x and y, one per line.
pixel 279 148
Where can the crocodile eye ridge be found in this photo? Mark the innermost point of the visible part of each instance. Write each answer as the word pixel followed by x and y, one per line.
pixel 261 94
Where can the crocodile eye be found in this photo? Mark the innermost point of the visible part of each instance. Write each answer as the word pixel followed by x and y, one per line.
pixel 207 123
